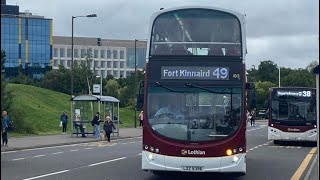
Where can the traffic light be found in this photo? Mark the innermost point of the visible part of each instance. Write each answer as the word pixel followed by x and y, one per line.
pixel 99 41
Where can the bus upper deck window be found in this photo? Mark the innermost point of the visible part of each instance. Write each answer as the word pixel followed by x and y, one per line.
pixel 161 49
pixel 179 49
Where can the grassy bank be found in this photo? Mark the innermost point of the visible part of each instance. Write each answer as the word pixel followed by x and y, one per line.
pixel 40 109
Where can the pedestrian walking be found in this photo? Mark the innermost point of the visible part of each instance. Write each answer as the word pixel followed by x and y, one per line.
pixel 141 118
pixel 96 123
pixel 64 122
pixel 253 117
pixel 4 128
pixel 108 125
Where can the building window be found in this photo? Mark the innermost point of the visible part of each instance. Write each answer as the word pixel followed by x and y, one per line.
pixel 62 62
pixel 108 64
pixel 102 54
pixel 121 54
pixel 76 53
pixel 115 54
pixel 121 74
pixel 68 63
pixel 103 72
pixel 68 52
pixel 109 72
pixel 121 64
pixel 115 74
pixel 95 55
pixel 103 64
pixel 83 53
pixel 108 54
pixel 115 64
pixel 62 53
pixel 96 64
pixel 55 62
pixel 55 52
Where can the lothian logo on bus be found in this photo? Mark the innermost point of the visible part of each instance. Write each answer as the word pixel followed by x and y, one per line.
pixel 192 152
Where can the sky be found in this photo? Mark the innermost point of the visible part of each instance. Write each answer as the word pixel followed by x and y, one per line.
pixel 283 31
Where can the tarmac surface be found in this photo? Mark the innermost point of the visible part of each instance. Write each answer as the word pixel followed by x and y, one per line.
pixel 30 142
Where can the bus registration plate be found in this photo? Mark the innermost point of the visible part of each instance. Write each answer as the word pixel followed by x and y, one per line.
pixel 192 168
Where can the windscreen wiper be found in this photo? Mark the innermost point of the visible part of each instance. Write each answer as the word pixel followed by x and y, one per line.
pixel 166 87
pixel 189 84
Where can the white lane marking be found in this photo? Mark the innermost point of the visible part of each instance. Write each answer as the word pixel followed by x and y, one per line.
pixel 87 148
pixel 39 156
pixel 45 175
pixel 58 152
pixel 123 143
pixel 18 159
pixel 73 150
pixel 140 154
pixel 132 142
pixel 107 161
pixel 251 149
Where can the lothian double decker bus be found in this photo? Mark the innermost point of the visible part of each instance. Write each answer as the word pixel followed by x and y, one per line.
pixel 292 114
pixel 194 92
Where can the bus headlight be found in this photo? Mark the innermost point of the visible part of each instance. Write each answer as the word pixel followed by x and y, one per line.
pixel 146 147
pixel 229 152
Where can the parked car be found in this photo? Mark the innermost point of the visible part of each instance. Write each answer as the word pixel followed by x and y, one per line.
pixel 263 113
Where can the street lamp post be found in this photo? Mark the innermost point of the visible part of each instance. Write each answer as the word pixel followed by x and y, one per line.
pixel 72 63
pixel 100 88
pixel 279 76
pixel 135 80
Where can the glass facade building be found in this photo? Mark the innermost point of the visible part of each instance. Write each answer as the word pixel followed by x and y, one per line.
pixel 27 42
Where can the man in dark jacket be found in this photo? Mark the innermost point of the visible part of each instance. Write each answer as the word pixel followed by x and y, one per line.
pixel 96 123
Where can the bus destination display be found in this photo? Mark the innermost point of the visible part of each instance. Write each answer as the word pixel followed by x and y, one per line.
pixel 295 93
pixel 195 72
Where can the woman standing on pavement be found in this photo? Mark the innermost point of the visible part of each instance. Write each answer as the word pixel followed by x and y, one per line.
pixel 4 128
pixel 108 125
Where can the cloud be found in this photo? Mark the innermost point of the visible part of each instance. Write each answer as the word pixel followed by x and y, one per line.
pixel 285 31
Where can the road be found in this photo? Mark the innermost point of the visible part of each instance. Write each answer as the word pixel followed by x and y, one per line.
pixel 121 160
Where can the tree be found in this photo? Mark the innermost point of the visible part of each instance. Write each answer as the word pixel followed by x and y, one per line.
pixel 262 92
pixel 267 71
pixel 6 95
pixel 112 88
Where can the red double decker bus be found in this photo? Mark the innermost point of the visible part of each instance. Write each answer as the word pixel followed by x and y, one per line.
pixel 194 92
pixel 292 114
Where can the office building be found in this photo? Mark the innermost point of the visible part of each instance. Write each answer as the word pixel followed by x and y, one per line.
pixel 104 56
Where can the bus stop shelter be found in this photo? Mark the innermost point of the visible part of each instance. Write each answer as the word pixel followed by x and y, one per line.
pixel 85 106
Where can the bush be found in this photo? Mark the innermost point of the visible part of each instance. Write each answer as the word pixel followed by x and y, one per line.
pixel 19 123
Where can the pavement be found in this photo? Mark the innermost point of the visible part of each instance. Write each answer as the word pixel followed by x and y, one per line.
pixel 30 142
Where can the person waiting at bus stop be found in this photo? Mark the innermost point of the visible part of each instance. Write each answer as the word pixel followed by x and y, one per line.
pixel 96 122
pixel 78 124
pixel 253 117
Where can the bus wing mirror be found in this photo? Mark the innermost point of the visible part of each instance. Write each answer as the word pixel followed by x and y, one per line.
pixel 250 85
pixel 252 99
